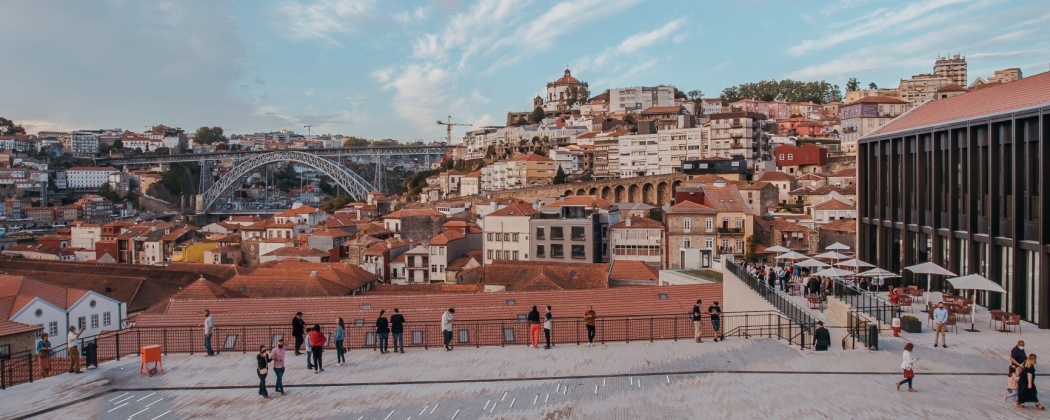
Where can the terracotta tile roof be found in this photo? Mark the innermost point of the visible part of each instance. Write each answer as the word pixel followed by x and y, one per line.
pixel 845 173
pixel 776 176
pixel 10 327
pixel 834 204
pixel 445 237
pixel 475 174
pixel 334 233
pixel 292 251
pixel 514 209
pixel 295 278
pixel 662 110
pixel 461 262
pixel 412 212
pixel 581 200
pixel 305 209
pixel 951 87
pixel 201 289
pixel 691 208
pixel 39 248
pixel 811 176
pixel 175 234
pixel 24 290
pixel 630 270
pixel 726 199
pixel 786 226
pixel 422 289
pixel 877 100
pixel 638 223
pixel 541 275
pixel 848 226
pixel 1024 93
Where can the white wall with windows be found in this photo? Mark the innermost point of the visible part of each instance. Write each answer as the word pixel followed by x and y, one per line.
pixel 94 312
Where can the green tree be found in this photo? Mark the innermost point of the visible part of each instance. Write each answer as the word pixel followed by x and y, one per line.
pixel 385 142
pixel 750 243
pixel 560 177
pixel 695 95
pixel 521 122
pixel 537 115
pixel 872 86
pixel 852 85
pixel 208 135
pixel 8 127
pixel 657 214
pixel 331 206
pixel 118 145
pixel 355 142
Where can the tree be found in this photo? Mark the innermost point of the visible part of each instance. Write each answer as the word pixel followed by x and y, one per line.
pixel 537 115
pixel 355 142
pixel 872 86
pixel 8 127
pixel 208 135
pixel 560 177
pixel 118 145
pixel 657 214
pixel 521 122
pixel 749 248
pixel 331 206
pixel 852 85
pixel 695 95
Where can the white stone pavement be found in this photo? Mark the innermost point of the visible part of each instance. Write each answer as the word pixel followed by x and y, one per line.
pixel 736 379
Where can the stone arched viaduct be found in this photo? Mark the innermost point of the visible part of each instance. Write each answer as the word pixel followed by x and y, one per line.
pixel 656 190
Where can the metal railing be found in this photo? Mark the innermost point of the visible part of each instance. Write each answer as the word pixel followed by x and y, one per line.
pixel 857 329
pixel 864 301
pixel 24 367
pixel 782 303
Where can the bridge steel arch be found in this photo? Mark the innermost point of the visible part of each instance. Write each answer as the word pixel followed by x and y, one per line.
pixel 350 181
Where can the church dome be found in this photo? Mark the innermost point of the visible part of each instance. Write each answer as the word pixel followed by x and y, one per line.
pixel 567 79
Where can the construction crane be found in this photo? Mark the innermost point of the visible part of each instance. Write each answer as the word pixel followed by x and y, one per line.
pixel 448 125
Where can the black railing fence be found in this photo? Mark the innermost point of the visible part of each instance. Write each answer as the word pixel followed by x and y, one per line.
pixel 867 302
pixel 782 303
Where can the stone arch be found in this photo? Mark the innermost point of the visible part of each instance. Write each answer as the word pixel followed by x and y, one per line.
pixel 581 191
pixel 663 193
pixel 620 195
pixel 634 194
pixel 594 191
pixel 567 193
pixel 607 193
pixel 674 186
pixel 351 182
pixel 649 193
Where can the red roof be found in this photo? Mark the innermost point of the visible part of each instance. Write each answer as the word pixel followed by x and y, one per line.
pixel 633 271
pixel 691 207
pixel 530 157
pixel 295 278
pixel 1024 93
pixel 878 100
pixel 662 110
pixel 447 236
pixel 638 223
pixel 514 209
pixel 776 176
pixel 842 225
pixel 22 290
pixel 834 204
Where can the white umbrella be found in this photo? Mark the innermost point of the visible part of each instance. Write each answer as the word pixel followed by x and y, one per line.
pixel 833 272
pixel 854 263
pixel 778 249
pixel 878 272
pixel 811 263
pixel 837 247
pixel 831 255
pixel 929 269
pixel 791 256
pixel 975 282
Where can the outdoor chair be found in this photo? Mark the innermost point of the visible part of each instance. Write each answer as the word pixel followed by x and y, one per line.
pixel 1012 320
pixel 815 302
pixel 951 324
pixel 917 293
pixel 963 311
pixel 905 302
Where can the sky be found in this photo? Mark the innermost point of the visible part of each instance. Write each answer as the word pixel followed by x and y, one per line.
pixel 391 68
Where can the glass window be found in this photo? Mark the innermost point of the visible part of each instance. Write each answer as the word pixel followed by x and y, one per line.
pixel 489 253
pixel 687 242
pixel 579 252
pixel 105 319
pixel 489 236
pixel 539 233
pixel 709 243
pixel 81 322
pixel 433 268
pixel 557 251
pixel 557 233
pixel 514 254
pixel 578 233
pixel 687 224
pixel 506 237
pixel 709 224
pixel 52 328
pixel 540 252
pixel 515 237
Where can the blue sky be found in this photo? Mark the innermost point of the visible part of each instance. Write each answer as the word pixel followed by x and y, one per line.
pixel 389 69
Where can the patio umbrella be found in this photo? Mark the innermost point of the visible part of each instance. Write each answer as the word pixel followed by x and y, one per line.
pixel 837 247
pixel 855 264
pixel 811 263
pixel 778 249
pixel 791 256
pixel 831 255
pixel 878 272
pixel 833 272
pixel 975 282
pixel 929 269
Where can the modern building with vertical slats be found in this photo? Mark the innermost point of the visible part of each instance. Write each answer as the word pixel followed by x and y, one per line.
pixel 962 182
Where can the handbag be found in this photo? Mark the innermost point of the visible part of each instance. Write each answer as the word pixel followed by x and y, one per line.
pixel 908 373
pixel 263 371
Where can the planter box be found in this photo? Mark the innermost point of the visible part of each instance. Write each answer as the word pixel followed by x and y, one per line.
pixel 914 327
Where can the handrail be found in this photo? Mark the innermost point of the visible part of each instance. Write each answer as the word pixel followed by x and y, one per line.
pixel 421 334
pixel 786 306
pixel 863 301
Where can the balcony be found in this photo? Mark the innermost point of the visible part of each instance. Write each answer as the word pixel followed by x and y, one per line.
pixel 731 231
pixel 736 145
pixel 736 135
pixel 849 129
pixel 736 124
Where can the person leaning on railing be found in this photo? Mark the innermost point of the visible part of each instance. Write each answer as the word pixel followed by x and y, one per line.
pixel 43 351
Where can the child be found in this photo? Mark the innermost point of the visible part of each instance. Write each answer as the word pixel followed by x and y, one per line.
pixel 1011 383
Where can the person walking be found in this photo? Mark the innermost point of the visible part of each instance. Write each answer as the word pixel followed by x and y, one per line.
pixel 1012 378
pixel 534 327
pixel 821 337
pixel 397 328
pixel 209 325
pixel 547 327
pixel 298 331
pixel 309 352
pixel 317 340
pixel 446 327
pixel 339 336
pixel 73 350
pixel 263 361
pixel 1027 392
pixel 1017 355
pixel 588 320
pixel 43 355
pixel 940 319
pixel 698 322
pixel 715 313
pixel 782 278
pixel 277 355
pixel 383 331
pixel 907 365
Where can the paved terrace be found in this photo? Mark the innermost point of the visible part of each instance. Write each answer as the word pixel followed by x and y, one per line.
pixel 735 379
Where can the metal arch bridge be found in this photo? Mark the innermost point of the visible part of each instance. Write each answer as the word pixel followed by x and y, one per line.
pixel 350 181
pixel 331 153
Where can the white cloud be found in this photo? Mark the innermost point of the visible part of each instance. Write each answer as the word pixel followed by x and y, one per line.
pixel 421 94
pixel 468 31
pixel 478 97
pixel 418 14
pixel 631 44
pixel 323 19
pixel 881 21
pixel 383 75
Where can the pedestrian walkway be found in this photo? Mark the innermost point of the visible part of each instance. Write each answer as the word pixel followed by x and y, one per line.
pixel 739 378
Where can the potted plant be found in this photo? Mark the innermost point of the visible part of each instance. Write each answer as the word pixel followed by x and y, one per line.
pixel 911 324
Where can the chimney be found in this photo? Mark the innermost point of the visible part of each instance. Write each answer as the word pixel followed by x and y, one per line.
pixel 627 222
pixel 720 183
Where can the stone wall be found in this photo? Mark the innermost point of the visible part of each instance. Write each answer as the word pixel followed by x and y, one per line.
pixel 421 228
pixel 23 342
pixel 655 190
pixel 828 237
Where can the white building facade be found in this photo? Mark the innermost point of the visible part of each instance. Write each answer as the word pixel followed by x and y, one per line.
pixel 88 177
pixel 635 99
